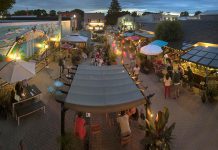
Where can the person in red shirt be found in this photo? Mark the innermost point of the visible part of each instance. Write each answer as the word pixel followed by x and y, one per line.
pixel 80 130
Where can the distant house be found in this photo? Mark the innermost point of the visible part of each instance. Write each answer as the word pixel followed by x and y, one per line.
pixel 183 18
pixel 211 15
pixel 94 21
pixel 126 22
pixel 169 17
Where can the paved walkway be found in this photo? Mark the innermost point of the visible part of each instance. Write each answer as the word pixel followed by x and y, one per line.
pixel 196 123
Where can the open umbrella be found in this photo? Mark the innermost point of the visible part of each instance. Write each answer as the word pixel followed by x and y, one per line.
pixel 151 50
pixel 17 71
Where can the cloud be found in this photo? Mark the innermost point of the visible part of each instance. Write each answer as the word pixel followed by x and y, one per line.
pixel 102 5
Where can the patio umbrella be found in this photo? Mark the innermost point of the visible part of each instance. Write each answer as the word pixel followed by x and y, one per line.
pixel 17 71
pixel 151 50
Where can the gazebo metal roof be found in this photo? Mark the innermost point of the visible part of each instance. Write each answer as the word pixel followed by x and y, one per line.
pixel 206 56
pixel 103 89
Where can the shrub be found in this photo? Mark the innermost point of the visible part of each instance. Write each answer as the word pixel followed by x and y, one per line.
pixel 170 31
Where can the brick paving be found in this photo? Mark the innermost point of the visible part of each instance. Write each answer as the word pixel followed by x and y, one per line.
pixel 196 123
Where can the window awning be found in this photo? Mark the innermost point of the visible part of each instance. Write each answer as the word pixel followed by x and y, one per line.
pixel 103 89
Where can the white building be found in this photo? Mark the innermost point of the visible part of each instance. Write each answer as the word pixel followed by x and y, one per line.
pixel 94 21
pixel 126 22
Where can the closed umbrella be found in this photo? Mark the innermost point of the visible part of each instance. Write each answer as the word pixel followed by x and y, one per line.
pixel 17 71
pixel 151 50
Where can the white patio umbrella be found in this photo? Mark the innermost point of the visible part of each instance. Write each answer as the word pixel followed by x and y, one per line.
pixel 17 71
pixel 151 50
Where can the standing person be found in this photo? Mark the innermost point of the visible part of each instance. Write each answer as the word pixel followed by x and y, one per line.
pixel 190 77
pixel 79 129
pixel 181 72
pixel 167 84
pixel 176 82
pixel 123 121
pixel 132 61
pixel 136 71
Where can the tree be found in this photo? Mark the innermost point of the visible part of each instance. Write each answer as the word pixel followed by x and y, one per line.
pixel 170 31
pixel 80 12
pixel 113 12
pixel 5 5
pixel 134 14
pixel 20 13
pixel 146 13
pixel 184 14
pixel 197 13
pixel 52 13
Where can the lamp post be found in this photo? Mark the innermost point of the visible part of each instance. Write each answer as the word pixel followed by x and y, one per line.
pixel 75 22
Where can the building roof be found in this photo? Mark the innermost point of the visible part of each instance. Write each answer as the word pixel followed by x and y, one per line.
pixel 194 30
pixel 93 16
pixel 103 89
pixel 206 56
pixel 210 12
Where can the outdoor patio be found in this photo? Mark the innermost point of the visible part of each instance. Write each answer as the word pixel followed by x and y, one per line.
pixel 195 122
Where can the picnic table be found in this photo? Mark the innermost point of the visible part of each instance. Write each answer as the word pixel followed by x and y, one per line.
pixel 30 102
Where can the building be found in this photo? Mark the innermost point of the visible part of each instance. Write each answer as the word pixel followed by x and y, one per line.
pixel 169 17
pixel 126 22
pixel 149 18
pixel 94 21
pixel 210 15
pixel 183 18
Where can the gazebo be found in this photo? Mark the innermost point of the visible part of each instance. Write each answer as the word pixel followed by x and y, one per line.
pixel 101 90
pixel 75 39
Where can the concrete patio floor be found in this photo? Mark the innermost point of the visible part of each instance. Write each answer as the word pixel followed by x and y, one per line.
pixel 196 123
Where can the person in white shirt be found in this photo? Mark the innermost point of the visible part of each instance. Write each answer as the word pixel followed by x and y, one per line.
pixel 123 121
pixel 136 71
pixel 167 84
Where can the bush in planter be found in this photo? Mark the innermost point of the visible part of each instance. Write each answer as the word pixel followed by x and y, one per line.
pixel 70 142
pixel 5 100
pixel 158 134
pixel 112 58
pixel 76 57
pixel 211 94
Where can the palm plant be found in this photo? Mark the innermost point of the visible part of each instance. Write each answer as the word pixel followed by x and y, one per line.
pixel 158 134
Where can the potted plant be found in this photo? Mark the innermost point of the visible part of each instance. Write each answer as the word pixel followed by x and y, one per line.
pixel 158 134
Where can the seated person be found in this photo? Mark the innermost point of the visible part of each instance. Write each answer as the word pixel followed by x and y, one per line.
pixel 123 121
pixel 19 88
pixel 79 129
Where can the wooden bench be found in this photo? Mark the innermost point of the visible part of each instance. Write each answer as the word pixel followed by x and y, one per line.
pixel 27 108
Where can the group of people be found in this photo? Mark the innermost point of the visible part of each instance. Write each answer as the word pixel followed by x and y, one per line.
pixel 175 77
pixel 98 58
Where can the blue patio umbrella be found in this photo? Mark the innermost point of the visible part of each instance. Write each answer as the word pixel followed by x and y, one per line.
pixel 159 43
pixel 58 83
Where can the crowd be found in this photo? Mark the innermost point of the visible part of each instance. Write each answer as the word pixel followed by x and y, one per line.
pixel 174 77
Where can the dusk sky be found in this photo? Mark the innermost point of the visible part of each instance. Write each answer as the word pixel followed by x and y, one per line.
pixel 131 5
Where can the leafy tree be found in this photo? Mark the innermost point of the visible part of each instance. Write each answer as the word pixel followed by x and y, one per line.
pixel 40 12
pixel 197 13
pixel 20 13
pixel 113 12
pixel 170 31
pixel 123 13
pixel 184 14
pixel 134 14
pixel 5 5
pixel 146 13
pixel 80 12
pixel 52 13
